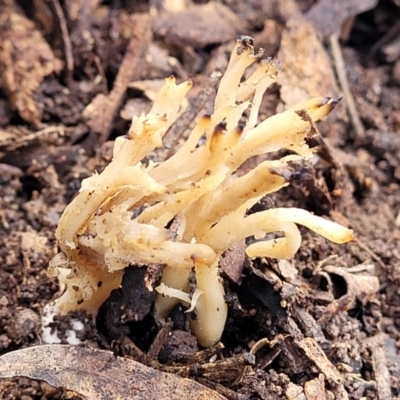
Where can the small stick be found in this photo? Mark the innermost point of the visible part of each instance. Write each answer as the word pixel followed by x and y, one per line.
pixel 381 371
pixel 235 362
pixel 69 59
pixel 344 84
pixel 223 390
pixel 159 342
pixel 199 356
pixel 176 132
pixel 370 252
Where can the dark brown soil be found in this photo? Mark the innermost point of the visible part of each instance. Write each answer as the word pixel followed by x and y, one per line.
pixel 66 70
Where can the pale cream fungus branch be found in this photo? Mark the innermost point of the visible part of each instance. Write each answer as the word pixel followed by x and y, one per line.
pixel 120 217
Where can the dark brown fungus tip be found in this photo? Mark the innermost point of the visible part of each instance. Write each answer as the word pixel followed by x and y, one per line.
pixel 331 100
pixel 219 129
pixel 334 101
pixel 221 126
pixel 246 42
pixel 239 129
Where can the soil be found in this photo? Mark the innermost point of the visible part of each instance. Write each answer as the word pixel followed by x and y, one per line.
pixel 73 73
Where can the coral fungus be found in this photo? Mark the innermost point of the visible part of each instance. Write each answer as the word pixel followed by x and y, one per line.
pixel 124 215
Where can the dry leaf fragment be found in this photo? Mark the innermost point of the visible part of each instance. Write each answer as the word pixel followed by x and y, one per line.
pixel 199 26
pixel 99 374
pixel 328 16
pixel 358 287
pixel 307 67
pixel 25 59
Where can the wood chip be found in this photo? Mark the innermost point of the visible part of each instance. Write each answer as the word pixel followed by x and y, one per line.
pixel 232 261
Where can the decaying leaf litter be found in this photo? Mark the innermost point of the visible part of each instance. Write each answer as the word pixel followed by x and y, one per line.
pixel 318 325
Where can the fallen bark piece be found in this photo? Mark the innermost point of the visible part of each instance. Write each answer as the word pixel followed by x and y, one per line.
pixel 98 374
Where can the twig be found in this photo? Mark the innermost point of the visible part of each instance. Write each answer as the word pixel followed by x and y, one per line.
pixel 101 112
pixel 389 35
pixel 69 59
pixel 158 342
pixel 370 252
pixel 376 345
pixel 237 361
pixel 199 356
pixel 182 124
pixel 223 390
pixel 257 346
pixel 344 84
